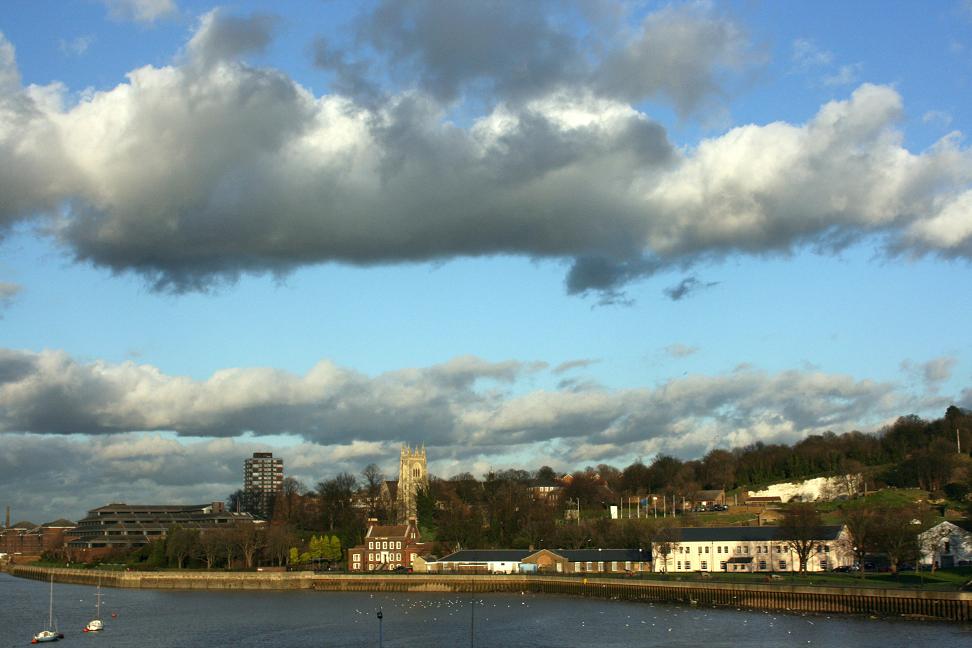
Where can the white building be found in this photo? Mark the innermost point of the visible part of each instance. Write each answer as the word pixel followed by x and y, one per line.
pixel 486 561
pixel 749 549
pixel 948 544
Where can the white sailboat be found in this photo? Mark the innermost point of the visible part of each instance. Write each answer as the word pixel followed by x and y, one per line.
pixel 96 624
pixel 51 634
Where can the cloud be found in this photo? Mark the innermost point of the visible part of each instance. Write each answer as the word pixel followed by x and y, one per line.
pixel 570 365
pixel 937 117
pixel 143 11
pixel 221 36
pixel 807 55
pixel 8 293
pixel 679 350
pixel 76 46
pixel 466 401
pixel 845 75
pixel 79 434
pixel 196 173
pixel 688 286
pixel 933 372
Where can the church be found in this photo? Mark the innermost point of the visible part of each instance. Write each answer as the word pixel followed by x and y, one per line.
pixel 413 476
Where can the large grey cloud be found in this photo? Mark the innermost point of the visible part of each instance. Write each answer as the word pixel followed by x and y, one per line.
pixel 79 434
pixel 466 402
pixel 197 172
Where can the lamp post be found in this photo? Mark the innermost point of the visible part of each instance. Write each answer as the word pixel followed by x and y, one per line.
pixel 379 628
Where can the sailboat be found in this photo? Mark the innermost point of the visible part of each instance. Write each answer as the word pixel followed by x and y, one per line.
pixel 51 634
pixel 95 624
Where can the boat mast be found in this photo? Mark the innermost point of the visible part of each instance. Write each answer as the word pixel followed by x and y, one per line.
pixel 50 607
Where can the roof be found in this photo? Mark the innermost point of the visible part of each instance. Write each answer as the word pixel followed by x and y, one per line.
pixel 965 525
pixel 605 555
pixel 60 524
pixel 487 555
pixel 388 531
pixel 742 534
pixel 23 524
pixel 709 494
pixel 741 559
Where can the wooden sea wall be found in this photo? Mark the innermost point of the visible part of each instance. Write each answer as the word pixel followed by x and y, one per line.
pixel 949 606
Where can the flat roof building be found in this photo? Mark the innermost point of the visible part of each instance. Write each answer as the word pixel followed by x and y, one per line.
pixel 262 480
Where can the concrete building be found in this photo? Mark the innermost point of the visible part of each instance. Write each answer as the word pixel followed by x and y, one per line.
pixel 480 561
pixel 748 549
pixel 262 480
pixel 129 526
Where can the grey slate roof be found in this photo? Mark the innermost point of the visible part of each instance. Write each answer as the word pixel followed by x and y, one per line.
pixel 743 534
pixel 487 555
pixel 605 555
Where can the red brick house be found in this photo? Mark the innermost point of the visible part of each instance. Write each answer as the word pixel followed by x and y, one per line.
pixel 386 547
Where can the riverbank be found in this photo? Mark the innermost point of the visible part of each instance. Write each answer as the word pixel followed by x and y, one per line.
pixel 946 606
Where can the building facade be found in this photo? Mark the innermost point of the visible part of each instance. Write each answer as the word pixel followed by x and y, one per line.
pixel 27 539
pixel 749 549
pixel 413 476
pixel 386 548
pixel 129 526
pixel 948 544
pixel 262 480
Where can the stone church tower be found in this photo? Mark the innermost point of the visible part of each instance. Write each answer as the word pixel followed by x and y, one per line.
pixel 413 475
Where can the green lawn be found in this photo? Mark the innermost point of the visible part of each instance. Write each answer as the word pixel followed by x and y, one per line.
pixel 941 580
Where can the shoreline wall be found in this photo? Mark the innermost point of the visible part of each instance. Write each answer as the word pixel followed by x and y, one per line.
pixel 948 606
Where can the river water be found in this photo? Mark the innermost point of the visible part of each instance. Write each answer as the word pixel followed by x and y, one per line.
pixel 150 619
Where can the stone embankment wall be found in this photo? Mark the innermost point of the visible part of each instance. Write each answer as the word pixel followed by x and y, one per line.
pixel 950 606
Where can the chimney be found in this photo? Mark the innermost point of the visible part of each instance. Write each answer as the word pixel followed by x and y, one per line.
pixel 7 524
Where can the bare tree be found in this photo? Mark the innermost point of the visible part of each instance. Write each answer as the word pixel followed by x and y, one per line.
pixel 665 540
pixel 801 529
pixel 210 547
pixel 373 480
pixel 279 538
pixel 248 540
pixel 862 523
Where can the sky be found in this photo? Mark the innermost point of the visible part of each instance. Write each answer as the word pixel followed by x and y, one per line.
pixel 521 234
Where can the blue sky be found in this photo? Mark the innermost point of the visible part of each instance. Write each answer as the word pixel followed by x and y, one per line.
pixel 534 234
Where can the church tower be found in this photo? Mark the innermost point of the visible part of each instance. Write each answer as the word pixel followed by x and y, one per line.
pixel 413 476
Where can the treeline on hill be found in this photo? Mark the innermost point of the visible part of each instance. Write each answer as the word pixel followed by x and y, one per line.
pixel 507 509
pixel 502 509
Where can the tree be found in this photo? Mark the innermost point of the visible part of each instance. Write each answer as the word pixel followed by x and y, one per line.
pixel 801 529
pixel 665 539
pixel 180 543
pixel 373 480
pixel 249 540
pixel 210 547
pixel 235 500
pixel 336 496
pixel 862 521
pixel 896 533
pixel 278 538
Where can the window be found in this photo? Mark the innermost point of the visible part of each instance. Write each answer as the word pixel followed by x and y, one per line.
pixel 826 548
pixel 371 556
pixel 783 564
pixel 705 565
pixel 398 545
pixel 356 557
pixel 371 567
pixel 762 564
pixel 679 565
pixel 706 550
pixel 718 549
pixel 725 550
pixel 370 545
pixel 590 566
pixel 688 564
pixel 746 550
pixel 823 563
pixel 722 565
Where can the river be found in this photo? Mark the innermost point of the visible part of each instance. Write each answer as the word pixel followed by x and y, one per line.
pixel 151 618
